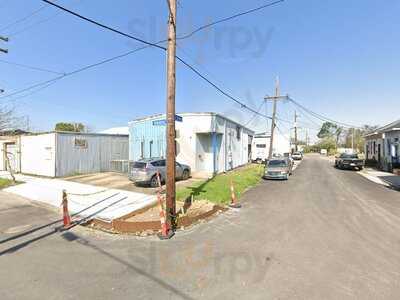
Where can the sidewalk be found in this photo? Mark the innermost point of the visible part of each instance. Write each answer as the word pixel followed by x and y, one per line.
pixel 85 200
pixel 383 178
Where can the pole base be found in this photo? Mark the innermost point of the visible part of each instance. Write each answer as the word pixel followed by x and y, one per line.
pixel 235 205
pixel 170 234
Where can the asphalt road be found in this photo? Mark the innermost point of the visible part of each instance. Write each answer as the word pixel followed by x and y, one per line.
pixel 324 234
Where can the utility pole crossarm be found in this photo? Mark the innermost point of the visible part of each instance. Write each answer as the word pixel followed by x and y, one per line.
pixel 5 39
pixel 277 97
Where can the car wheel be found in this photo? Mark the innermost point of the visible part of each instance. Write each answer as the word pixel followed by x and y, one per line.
pixel 154 181
pixel 185 175
pixel 360 168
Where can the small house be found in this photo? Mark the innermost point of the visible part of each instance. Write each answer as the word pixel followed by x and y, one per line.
pixel 382 147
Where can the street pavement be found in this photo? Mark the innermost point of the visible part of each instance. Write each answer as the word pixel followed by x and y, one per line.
pixel 323 234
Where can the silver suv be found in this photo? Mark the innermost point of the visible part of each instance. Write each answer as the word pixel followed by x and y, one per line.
pixel 144 171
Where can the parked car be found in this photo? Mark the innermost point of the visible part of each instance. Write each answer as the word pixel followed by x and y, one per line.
pixel 278 168
pixel 297 156
pixel 144 171
pixel 349 161
pixel 288 155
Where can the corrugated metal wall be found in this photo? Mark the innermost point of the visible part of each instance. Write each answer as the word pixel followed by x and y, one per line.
pixel 85 153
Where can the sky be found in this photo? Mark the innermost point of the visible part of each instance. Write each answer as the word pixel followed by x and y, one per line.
pixel 338 58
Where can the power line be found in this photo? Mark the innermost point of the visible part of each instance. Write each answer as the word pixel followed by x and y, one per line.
pixel 31 14
pixel 255 115
pixel 229 18
pixel 104 26
pixel 72 73
pixel 127 35
pixel 244 106
pixel 321 117
pixel 31 67
pixel 26 28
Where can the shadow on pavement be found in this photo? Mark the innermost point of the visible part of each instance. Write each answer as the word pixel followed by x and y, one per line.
pixel 71 237
pixel 28 242
pixel 393 181
pixel 25 233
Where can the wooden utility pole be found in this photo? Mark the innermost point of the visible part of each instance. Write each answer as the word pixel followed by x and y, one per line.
pixel 295 131
pixel 273 122
pixel 170 206
pixel 307 141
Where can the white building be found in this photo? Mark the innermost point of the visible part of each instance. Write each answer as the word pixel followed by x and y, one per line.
pixel 207 142
pixel 261 143
pixel 58 154
pixel 383 146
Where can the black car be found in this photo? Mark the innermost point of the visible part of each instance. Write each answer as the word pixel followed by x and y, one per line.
pixel 349 161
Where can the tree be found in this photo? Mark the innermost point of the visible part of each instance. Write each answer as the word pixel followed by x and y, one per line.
pixel 74 127
pixel 329 131
pixel 359 133
pixel 9 121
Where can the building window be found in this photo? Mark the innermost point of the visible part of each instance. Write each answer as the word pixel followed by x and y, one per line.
pixel 81 143
pixel 142 149
pixel 238 132
pixel 177 148
pixel 151 149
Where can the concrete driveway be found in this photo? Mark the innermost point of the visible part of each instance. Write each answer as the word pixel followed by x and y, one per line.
pixel 324 234
pixel 120 181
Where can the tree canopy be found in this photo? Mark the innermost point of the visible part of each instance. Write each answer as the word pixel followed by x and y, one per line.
pixel 73 127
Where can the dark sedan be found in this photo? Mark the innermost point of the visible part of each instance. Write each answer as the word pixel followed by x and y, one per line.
pixel 349 161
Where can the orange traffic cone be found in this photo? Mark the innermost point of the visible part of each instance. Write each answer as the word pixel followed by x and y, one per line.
pixel 166 232
pixel 66 216
pixel 234 203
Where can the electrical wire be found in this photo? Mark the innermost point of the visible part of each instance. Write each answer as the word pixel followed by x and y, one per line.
pixel 255 115
pixel 104 26
pixel 229 18
pixel 26 17
pixel 38 22
pixel 321 117
pixel 30 67
pixel 244 106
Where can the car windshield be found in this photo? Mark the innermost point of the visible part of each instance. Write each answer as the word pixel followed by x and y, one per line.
pixel 349 156
pixel 296 153
pixel 277 163
pixel 139 165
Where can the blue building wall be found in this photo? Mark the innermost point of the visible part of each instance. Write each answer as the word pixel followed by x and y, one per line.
pixel 146 140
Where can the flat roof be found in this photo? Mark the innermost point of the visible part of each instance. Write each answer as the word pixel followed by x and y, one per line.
pixel 158 116
pixel 76 133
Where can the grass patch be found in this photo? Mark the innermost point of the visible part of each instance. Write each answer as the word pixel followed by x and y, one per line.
pixel 217 189
pixel 4 183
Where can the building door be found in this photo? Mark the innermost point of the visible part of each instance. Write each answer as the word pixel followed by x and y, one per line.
pixel 11 153
pixel 379 154
pixel 204 153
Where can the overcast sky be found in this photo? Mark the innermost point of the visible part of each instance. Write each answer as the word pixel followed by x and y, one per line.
pixel 339 58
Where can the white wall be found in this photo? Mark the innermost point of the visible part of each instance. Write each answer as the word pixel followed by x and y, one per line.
pixel 38 154
pixel 189 146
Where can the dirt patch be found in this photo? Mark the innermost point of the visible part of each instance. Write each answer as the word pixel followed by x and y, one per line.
pixel 147 221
